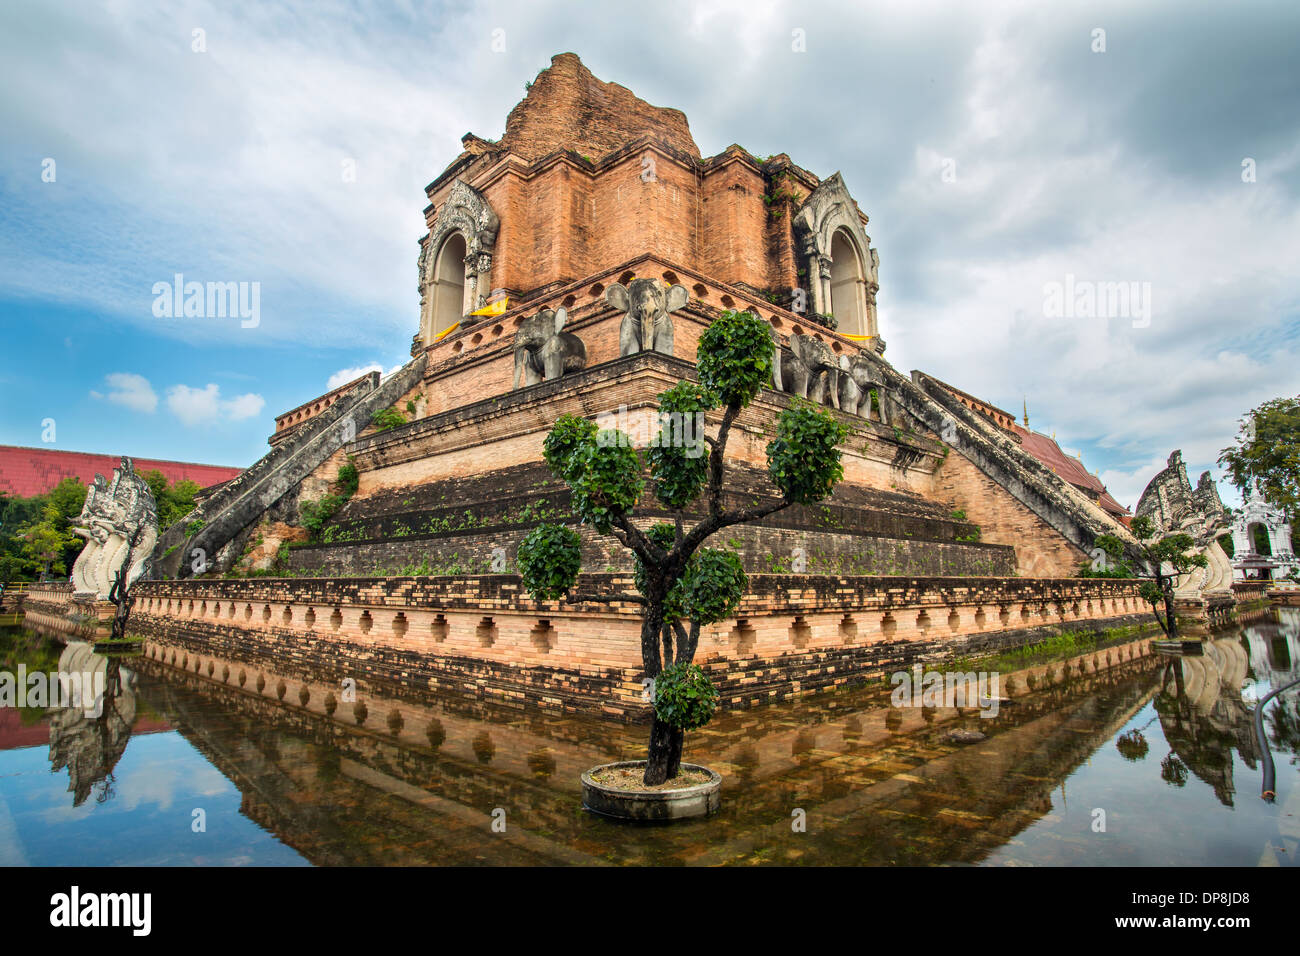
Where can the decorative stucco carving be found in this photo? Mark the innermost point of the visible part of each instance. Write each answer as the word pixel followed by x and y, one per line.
pixel 648 324
pixel 1256 511
pixel 810 370
pixel 467 212
pixel 858 378
pixel 1173 507
pixel 544 352
pixel 120 524
pixel 829 209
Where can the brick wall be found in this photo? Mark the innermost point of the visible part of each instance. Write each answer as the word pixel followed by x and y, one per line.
pixel 1041 550
pixel 482 635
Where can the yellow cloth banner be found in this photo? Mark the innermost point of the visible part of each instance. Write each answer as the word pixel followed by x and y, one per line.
pixel 445 332
pixel 494 308
pixel 857 338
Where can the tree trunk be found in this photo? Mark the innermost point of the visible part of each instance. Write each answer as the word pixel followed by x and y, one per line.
pixel 1169 614
pixel 665 757
pixel 664 754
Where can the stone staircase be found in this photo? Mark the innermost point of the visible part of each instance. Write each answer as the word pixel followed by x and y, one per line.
pixel 279 472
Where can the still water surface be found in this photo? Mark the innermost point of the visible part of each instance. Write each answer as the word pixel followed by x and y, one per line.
pixel 187 768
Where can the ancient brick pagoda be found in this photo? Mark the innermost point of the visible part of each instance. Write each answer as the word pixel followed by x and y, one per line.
pixel 595 245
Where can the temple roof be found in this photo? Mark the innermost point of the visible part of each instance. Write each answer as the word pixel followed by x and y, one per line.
pixel 1047 451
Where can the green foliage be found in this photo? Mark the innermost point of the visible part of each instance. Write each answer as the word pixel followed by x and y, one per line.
pixel 173 501
pixel 1259 537
pixel 734 357
pixel 803 459
pixel 712 585
pixel 194 527
pixel 387 418
pixel 959 515
pixel 550 557
pixel 680 472
pixel 348 480
pixel 605 479
pixel 1132 745
pixel 1150 592
pixel 1267 450
pixel 1173 550
pixel 1225 542
pixel 703 585
pixel 567 437
pixel 684 696
pixel 10 567
pixel 37 532
pixel 1116 563
pixel 315 515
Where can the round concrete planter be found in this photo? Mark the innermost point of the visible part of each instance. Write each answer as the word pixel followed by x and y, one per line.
pixel 652 806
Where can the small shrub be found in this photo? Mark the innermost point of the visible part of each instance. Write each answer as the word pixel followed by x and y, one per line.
pixel 684 696
pixel 387 418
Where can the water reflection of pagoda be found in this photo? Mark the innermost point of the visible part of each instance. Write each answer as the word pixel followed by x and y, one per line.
pixel 411 778
pixel 1202 713
pixel 1203 716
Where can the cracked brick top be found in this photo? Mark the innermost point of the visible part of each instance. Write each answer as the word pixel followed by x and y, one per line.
pixel 567 107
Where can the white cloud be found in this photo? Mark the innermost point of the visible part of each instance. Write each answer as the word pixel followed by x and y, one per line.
pixel 345 375
pixel 133 391
pixel 1122 166
pixel 244 406
pixel 202 406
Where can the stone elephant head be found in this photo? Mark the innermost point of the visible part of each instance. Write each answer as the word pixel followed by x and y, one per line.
pixel 648 325
pixel 544 352
pixel 811 371
pixel 858 376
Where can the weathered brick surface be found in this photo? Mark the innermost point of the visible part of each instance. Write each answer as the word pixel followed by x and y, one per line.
pixel 762 549
pixel 1041 551
pixel 567 107
pixel 483 636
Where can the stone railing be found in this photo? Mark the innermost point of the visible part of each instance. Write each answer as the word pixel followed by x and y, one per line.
pixel 491 618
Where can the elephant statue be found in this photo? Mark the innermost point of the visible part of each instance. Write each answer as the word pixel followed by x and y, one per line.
pixel 810 371
pixel 544 352
pixel 648 325
pixel 857 378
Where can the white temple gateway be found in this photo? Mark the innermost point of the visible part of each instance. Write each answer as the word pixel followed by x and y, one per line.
pixel 1249 564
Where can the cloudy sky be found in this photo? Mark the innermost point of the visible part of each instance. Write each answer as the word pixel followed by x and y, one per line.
pixel 999 149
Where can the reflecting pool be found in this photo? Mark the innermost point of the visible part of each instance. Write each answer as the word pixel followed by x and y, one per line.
pixel 1131 758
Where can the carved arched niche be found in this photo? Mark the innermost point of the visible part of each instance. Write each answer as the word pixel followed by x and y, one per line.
pixel 465 221
pixel 841 266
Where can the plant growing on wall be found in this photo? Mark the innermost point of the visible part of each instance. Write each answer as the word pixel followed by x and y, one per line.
pixel 315 515
pixel 387 418
pixel 681 585
pixel 1161 561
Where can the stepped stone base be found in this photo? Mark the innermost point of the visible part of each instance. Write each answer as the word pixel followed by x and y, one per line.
pixel 482 638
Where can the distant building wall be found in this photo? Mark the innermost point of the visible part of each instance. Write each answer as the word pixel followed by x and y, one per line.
pixel 33 471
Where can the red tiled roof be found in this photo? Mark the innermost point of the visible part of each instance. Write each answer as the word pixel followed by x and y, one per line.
pixel 33 471
pixel 1047 451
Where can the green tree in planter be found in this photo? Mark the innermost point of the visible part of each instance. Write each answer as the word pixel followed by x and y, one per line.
pixel 1160 561
pixel 681 585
